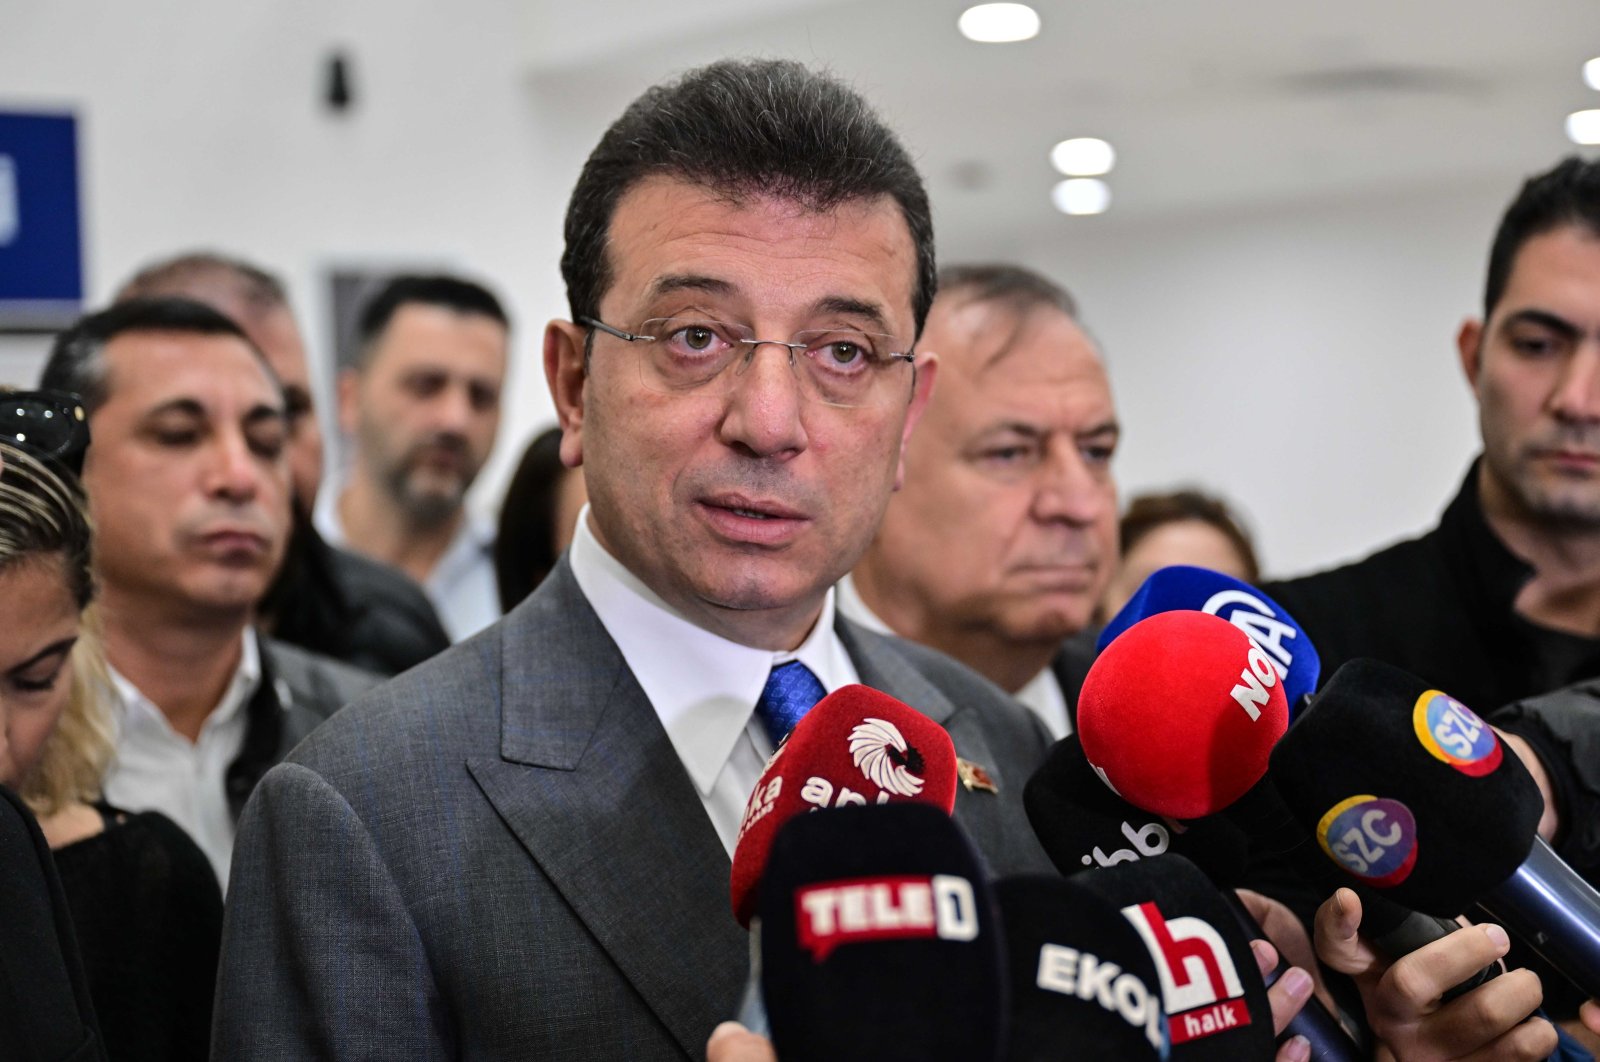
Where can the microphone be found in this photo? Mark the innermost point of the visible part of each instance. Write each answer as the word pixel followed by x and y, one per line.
pixel 1081 977
pixel 856 746
pixel 1189 588
pixel 1078 819
pixel 1409 791
pixel 1082 824
pixel 1212 992
pixel 879 940
pixel 1179 713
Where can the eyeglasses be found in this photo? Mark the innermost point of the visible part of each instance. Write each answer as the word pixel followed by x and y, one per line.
pixel 51 425
pixel 835 366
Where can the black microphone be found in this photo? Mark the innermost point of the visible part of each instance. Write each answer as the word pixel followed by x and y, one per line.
pixel 1409 791
pixel 1212 992
pixel 1083 983
pixel 879 939
pixel 1079 822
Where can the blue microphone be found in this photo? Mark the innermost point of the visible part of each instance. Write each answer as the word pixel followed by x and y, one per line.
pixel 1183 587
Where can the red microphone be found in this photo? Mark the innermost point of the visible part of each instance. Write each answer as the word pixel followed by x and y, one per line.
pixel 1180 712
pixel 857 746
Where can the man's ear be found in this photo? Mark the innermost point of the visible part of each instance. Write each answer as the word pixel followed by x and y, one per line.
pixel 1469 345
pixel 927 370
pixel 349 396
pixel 565 372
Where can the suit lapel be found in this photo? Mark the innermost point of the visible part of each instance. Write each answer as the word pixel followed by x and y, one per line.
pixel 590 784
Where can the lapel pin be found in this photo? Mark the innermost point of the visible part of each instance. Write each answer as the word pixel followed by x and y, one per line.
pixel 974 777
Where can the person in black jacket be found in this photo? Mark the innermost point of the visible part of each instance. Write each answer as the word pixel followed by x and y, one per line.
pixel 329 600
pixel 1501 600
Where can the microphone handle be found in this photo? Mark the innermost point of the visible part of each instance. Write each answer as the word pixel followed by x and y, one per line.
pixel 753 1008
pixel 1401 931
pixel 1329 1040
pixel 1556 912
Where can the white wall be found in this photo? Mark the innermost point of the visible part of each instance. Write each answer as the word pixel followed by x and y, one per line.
pixel 1296 357
pixel 1299 359
pixel 202 126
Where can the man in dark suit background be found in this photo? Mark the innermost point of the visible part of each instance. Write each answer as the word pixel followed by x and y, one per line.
pixel 521 848
pixel 1005 536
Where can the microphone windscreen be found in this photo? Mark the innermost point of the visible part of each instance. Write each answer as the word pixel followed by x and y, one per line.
pixel 1407 789
pixel 1269 625
pixel 879 939
pixel 1211 988
pixel 1083 984
pixel 856 746
pixel 1180 713
pixel 1082 824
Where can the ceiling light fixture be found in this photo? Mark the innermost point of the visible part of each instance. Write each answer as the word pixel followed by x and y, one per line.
pixel 1083 156
pixel 999 23
pixel 1081 195
pixel 1591 73
pixel 1583 127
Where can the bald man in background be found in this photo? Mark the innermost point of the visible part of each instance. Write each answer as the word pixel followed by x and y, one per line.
pixel 1004 537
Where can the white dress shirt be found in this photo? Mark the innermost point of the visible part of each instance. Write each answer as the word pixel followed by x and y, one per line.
pixel 158 769
pixel 703 687
pixel 1043 695
pixel 462 585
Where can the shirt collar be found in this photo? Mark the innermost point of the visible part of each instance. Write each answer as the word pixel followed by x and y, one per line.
pixel 856 609
pixel 703 687
pixel 241 687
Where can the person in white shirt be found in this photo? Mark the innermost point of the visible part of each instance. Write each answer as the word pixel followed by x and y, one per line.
pixel 188 487
pixel 422 406
pixel 1004 536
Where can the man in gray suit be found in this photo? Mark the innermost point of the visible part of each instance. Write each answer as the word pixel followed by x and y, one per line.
pixel 521 848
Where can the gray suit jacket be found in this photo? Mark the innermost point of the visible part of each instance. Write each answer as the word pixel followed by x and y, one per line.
pixel 499 855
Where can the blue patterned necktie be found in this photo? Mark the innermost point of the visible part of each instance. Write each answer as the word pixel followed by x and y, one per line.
pixel 790 692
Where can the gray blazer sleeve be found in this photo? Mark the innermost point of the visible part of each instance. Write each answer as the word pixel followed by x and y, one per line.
pixel 311 901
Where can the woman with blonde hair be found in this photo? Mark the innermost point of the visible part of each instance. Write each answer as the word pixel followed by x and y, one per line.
pixel 144 901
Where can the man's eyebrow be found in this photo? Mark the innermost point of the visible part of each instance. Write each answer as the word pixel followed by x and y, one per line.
pixel 1108 427
pixel 675 282
pixel 843 304
pixel 189 407
pixel 1545 319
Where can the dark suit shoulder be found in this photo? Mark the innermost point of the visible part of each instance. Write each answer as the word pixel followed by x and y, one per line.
pixel 395 626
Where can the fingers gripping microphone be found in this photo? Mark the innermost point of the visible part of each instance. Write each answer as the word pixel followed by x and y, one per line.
pixel 1409 791
pixel 1179 714
pixel 1269 626
pixel 1212 993
pixel 1083 984
pixel 879 940
pixel 856 746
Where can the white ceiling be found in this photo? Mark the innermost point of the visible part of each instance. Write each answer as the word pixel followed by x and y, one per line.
pixel 1212 105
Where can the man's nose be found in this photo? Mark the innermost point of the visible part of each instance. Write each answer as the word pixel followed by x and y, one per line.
pixel 1577 393
pixel 1069 488
pixel 452 410
pixel 765 403
pixel 234 471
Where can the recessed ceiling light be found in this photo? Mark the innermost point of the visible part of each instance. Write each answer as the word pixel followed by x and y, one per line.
pixel 1083 156
pixel 1081 195
pixel 1583 127
pixel 999 23
pixel 1591 73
